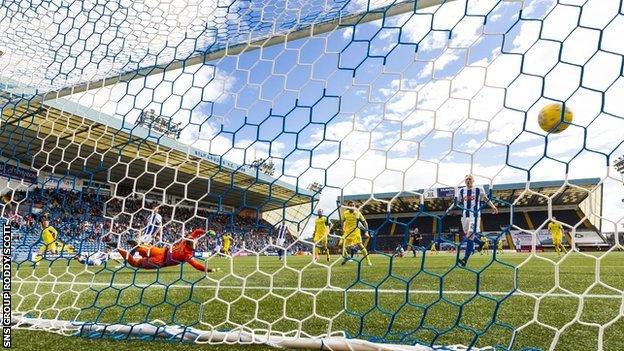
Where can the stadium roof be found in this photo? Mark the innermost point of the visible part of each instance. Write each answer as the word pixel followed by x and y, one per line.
pixel 64 137
pixel 504 194
pixel 44 134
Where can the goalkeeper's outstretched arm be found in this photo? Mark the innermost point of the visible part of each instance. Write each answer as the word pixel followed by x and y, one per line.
pixel 198 265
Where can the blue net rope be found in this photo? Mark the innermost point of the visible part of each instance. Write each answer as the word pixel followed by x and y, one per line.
pixel 128 127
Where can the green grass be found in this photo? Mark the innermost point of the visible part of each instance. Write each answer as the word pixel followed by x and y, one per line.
pixel 263 293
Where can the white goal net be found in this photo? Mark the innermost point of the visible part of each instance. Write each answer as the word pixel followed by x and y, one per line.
pixel 316 174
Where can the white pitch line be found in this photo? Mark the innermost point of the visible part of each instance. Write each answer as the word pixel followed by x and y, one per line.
pixel 326 289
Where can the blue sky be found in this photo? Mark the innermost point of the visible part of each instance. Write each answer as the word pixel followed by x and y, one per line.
pixel 381 106
pixel 386 103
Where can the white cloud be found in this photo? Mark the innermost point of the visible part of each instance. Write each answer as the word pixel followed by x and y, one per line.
pixel 467 82
pixel 433 94
pixel 541 57
pixel 605 69
pixel 537 8
pixel 612 36
pixel 482 7
pixel 560 22
pixel 466 32
pixel 447 57
pixel 528 34
pixel 598 13
pixel 472 145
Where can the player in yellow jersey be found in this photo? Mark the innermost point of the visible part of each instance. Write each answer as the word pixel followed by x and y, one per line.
pixel 500 245
pixel 226 243
pixel 50 243
pixel 321 231
pixel 556 230
pixel 351 233
pixel 433 248
pixel 486 245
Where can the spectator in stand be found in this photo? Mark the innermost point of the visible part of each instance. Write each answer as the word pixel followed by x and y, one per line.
pixel 90 218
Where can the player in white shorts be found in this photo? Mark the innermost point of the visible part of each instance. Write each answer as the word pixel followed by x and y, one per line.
pixel 470 199
pixel 399 251
pixel 280 240
pixel 95 259
pixel 153 229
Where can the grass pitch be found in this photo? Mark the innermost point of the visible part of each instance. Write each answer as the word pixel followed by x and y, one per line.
pixel 400 300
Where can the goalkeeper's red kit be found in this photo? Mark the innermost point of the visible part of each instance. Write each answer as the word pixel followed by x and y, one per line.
pixel 153 257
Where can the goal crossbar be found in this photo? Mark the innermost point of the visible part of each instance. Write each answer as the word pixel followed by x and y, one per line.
pixel 400 7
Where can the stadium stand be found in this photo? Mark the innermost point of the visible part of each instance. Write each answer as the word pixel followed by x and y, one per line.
pixel 519 211
pixel 83 219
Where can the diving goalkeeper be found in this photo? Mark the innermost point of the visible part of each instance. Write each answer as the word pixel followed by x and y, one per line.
pixel 153 257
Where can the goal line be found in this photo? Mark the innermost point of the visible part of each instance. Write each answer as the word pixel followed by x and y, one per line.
pixel 516 292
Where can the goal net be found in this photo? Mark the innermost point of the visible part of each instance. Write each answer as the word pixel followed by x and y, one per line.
pixel 336 174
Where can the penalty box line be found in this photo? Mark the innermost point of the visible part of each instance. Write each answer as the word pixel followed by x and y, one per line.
pixel 324 289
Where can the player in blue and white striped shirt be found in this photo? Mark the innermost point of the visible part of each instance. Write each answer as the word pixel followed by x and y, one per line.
pixel 280 239
pixel 470 199
pixel 95 259
pixel 153 228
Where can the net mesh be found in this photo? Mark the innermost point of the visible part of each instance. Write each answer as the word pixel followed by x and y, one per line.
pixel 129 126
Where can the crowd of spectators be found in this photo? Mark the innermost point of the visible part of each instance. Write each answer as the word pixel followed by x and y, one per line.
pixel 82 217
